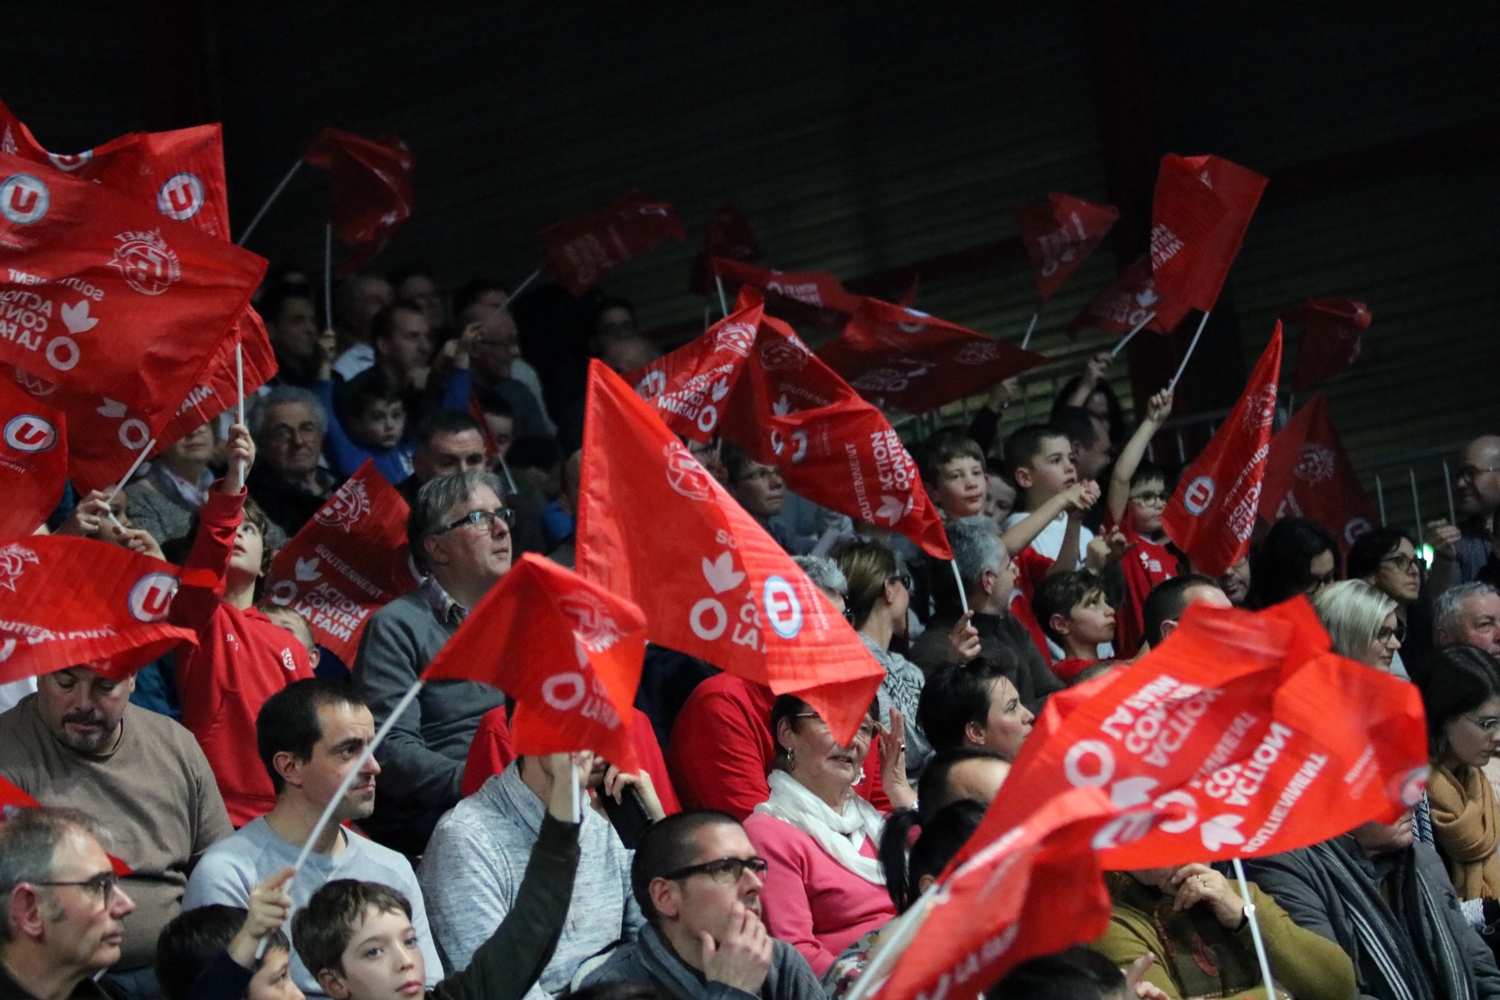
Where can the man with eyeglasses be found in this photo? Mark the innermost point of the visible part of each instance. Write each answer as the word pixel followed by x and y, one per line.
pixel 761 491
pixel 288 482
pixel 460 537
pixel 698 881
pixel 1460 551
pixel 64 914
pixel 495 363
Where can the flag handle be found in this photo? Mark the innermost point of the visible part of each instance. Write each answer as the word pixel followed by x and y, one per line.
pixel 1448 485
pixel 1416 502
pixel 958 579
pixel 239 410
pixel 328 276
pixel 275 193
pixel 523 286
pixel 1191 348
pixel 343 789
pixel 1029 328
pixel 1133 331
pixel 508 480
pixel 1260 946
pixel 827 540
pixel 1380 496
pixel 125 479
pixel 894 946
pixel 723 300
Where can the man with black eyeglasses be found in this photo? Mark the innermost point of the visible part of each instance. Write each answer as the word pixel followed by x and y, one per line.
pixel 698 882
pixel 460 537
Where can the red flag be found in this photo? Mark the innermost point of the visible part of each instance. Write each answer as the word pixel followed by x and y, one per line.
pixel 218 387
pixel 1122 304
pixel 67 602
pixel 655 528
pixel 33 460
pixel 1059 235
pixel 1032 892
pixel 901 357
pixel 1242 735
pixel 584 248
pixel 730 236
pixel 690 387
pixel 370 190
pixel 179 173
pixel 1199 216
pixel 1308 474
pixel 1212 511
pixel 568 651
pixel 1331 330
pixel 815 297
pixel 103 434
pixel 348 562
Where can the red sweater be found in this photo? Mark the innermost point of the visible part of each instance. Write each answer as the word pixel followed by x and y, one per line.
pixel 242 659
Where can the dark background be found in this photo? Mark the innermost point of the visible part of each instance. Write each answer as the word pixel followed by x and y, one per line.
pixel 875 139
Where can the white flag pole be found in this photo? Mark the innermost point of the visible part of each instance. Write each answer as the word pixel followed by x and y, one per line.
pixel 1133 331
pixel 1260 946
pixel 1030 327
pixel 239 410
pixel 1191 347
pixel 523 286
pixel 723 299
pixel 275 193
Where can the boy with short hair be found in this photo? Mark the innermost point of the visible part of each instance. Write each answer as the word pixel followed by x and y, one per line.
pixel 210 953
pixel 952 469
pixel 374 410
pixel 1039 457
pixel 1138 496
pixel 1074 612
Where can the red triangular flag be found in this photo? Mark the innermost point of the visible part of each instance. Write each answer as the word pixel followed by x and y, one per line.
pixel 1121 305
pixel 218 388
pixel 370 190
pixel 1202 208
pixel 1212 512
pixel 584 248
pixel 1331 331
pixel 729 236
pixel 568 651
pixel 33 460
pixel 655 528
pixel 690 387
pixel 815 297
pixel 1308 474
pixel 67 602
pixel 1059 235
pixel 348 562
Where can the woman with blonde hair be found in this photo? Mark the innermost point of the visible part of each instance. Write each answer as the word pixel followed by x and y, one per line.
pixel 1362 623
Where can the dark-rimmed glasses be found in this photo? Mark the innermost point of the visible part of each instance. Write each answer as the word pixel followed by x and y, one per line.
pixel 481 518
pixel 102 885
pixel 727 871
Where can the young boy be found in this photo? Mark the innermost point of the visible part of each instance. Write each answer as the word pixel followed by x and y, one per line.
pixel 375 413
pixel 1073 611
pixel 952 469
pixel 209 953
pixel 1000 494
pixel 1138 496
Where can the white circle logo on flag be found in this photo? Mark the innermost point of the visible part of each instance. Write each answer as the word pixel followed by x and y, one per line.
pixel 346 508
pixel 23 199
pixel 180 197
pixel 1355 527
pixel 1315 464
pixel 151 597
pixel 30 433
pixel 1198 495
pixel 783 610
pixel 686 475
pixel 564 691
pixel 70 161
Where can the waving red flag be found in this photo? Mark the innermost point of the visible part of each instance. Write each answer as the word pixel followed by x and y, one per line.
pixel 370 190
pixel 729 236
pixel 348 562
pixel 1242 735
pixel 584 248
pixel 568 651
pixel 690 387
pixel 1202 208
pixel 179 173
pixel 901 357
pixel 814 297
pixel 67 601
pixel 218 386
pixel 1059 235
pixel 1122 304
pixel 655 528
pixel 1308 474
pixel 1212 512
pixel 1331 332
pixel 33 460
pixel 1032 892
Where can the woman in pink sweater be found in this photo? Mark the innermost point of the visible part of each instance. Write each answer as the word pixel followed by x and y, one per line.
pixel 823 885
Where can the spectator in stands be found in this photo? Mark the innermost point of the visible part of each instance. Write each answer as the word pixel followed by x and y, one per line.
pixel 65 911
pixel 1387 560
pixel 1039 459
pixel 1088 442
pixel 999 496
pixel 614 318
pixel 823 886
pixel 309 736
pixel 952 470
pixel 697 879
pixel 242 658
pixel 1388 903
pixel 500 421
pixel 626 354
pixel 404 359
pixel 1362 623
pixel 985 427
pixel 974 705
pixel 372 427
pixel 1462 701
pixel 496 362
pixel 472 869
pixel 879 597
pixel 1078 973
pixel 414 285
pixel 911 866
pixel 1459 555
pixel 460 539
pixel 1092 393
pixel 175 488
pixel 292 325
pixel 288 425
pixel 224 945
pixel 359 938
pixel 989 580
pixel 1297 556
pixel 360 297
pixel 566 550
pixel 1195 924
pixel 760 490
pixel 1236 582
pixel 79 743
pixel 1468 614
pixel 966 772
pixel 1167 601
pixel 291 619
pixel 1138 496
pixel 1074 612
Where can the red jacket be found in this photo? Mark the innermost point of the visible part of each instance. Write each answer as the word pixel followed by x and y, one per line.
pixel 242 659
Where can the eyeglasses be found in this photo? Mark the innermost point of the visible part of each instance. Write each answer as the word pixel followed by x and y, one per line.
pixel 867 729
pixel 1473 471
pixel 1384 635
pixel 1151 499
pixel 1489 724
pixel 904 578
pixel 1315 583
pixel 725 870
pixel 482 518
pixel 102 886
pixel 1404 563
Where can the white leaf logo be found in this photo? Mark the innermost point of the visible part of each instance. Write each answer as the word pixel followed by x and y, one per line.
pixel 76 317
pixel 1220 831
pixel 721 574
pixel 892 509
pixel 307 569
pixel 110 408
pixel 1132 791
pixel 782 406
pixel 720 389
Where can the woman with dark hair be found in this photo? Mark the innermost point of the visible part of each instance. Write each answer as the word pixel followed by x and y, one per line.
pixel 1462 698
pixel 1387 560
pixel 909 872
pixel 1297 556
pixel 823 883
pixel 1092 394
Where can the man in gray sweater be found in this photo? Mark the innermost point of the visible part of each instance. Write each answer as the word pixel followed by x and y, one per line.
pixel 459 533
pixel 698 880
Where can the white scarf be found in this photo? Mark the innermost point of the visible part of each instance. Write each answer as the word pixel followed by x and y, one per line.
pixel 840 835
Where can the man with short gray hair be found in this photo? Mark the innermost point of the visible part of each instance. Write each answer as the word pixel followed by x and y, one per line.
pixel 288 424
pixel 1468 615
pixel 460 538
